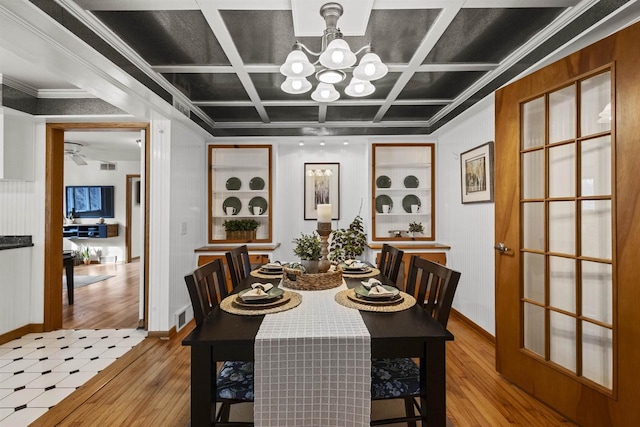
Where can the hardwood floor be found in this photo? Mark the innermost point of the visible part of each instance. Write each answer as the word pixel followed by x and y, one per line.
pixel 150 386
pixel 112 303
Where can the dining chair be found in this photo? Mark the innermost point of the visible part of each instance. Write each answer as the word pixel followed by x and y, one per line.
pixel 434 286
pixel 239 265
pixel 390 261
pixel 234 380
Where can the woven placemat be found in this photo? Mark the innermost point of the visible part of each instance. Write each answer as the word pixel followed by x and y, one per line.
pixel 374 272
pixel 256 273
pixel 342 298
pixel 228 305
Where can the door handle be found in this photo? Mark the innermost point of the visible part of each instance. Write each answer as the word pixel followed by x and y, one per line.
pixel 501 247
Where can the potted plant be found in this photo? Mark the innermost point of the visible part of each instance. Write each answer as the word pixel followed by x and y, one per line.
pixel 86 255
pixel 308 249
pixel 348 243
pixel 416 228
pixel 241 229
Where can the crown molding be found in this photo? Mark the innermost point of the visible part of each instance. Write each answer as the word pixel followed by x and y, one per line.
pixel 18 85
pixel 64 94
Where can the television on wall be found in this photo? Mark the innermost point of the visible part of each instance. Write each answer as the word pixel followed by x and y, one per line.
pixel 90 201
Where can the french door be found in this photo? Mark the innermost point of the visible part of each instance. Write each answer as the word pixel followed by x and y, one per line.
pixel 567 221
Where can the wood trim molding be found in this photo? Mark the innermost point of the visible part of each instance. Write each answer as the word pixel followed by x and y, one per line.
pixel 22 330
pixel 471 324
pixel 162 334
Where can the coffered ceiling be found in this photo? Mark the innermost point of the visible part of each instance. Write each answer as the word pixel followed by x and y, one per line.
pixel 220 60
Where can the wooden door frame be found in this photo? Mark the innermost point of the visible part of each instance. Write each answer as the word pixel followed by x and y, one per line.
pixel 127 233
pixel 54 183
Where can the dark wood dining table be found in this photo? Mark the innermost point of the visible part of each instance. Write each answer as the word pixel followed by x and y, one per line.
pixel 408 333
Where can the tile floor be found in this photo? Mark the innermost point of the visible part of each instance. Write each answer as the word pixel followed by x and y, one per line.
pixel 39 370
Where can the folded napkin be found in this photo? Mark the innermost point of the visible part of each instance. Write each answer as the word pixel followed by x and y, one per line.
pixel 272 266
pixel 258 291
pixel 371 282
pixel 377 291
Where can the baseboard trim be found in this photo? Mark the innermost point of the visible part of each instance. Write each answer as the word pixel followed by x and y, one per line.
pixel 470 323
pixel 22 330
pixel 162 334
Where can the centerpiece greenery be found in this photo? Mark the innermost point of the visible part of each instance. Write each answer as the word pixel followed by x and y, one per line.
pixel 241 229
pixel 348 243
pixel 308 249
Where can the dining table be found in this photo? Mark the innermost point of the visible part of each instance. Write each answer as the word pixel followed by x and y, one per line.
pixel 411 333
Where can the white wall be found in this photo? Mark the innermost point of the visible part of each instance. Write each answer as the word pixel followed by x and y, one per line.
pixel 91 174
pixel 469 228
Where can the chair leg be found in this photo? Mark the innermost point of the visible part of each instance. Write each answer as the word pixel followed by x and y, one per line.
pixel 224 413
pixel 408 407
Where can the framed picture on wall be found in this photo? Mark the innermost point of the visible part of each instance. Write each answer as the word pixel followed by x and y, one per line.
pixel 321 187
pixel 476 168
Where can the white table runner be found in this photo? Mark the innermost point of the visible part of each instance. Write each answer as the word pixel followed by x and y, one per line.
pixel 313 365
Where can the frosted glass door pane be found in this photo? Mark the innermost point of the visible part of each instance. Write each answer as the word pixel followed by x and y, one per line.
pixel 533 175
pixel 534 328
pixel 596 167
pixel 562 227
pixel 597 354
pixel 563 340
pixel 595 104
pixel 562 283
pixel 534 277
pixel 533 225
pixel 597 292
pixel 596 228
pixel 562 171
pixel 533 123
pixel 562 114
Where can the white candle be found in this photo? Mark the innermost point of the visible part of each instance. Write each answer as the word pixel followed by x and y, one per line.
pixel 324 213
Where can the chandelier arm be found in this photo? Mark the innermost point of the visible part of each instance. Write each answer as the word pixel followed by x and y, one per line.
pixel 309 51
pixel 367 48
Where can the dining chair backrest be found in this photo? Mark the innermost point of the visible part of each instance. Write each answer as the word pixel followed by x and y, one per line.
pixel 435 285
pixel 204 286
pixel 390 261
pixel 239 265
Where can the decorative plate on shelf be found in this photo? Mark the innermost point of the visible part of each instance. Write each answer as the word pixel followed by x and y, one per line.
pixel 232 202
pixel 256 183
pixel 409 200
pixel 383 181
pixel 411 182
pixel 259 202
pixel 233 183
pixel 383 199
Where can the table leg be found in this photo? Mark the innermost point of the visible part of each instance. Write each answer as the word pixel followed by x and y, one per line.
pixel 201 387
pixel 433 376
pixel 68 269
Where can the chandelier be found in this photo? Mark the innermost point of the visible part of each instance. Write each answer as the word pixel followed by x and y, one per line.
pixel 335 57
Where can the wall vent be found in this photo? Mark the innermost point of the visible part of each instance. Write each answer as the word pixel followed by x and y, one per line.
pixel 107 166
pixel 182 316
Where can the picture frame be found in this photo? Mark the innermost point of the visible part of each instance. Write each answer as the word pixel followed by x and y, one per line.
pixel 476 173
pixel 321 186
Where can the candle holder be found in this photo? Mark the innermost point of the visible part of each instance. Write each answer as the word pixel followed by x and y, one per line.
pixel 324 230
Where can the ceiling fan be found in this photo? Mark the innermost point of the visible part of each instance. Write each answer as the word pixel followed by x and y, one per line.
pixel 72 152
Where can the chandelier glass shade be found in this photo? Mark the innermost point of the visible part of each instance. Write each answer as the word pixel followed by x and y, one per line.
pixel 336 56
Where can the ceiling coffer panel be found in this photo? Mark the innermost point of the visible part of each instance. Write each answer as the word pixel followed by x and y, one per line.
pixel 209 87
pixel 232 114
pixel 175 37
pixel 293 114
pixel 489 35
pixel 411 112
pixel 441 85
pixel 341 113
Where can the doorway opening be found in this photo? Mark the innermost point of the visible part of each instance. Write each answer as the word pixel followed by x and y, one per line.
pixel 128 280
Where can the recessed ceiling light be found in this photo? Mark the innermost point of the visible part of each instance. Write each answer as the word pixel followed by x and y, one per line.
pixel 345 143
pixel 301 143
pixel 322 143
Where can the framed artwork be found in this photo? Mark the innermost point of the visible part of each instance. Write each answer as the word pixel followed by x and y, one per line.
pixel 476 168
pixel 321 187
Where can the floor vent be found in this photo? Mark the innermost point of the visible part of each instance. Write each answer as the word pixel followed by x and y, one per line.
pixel 107 166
